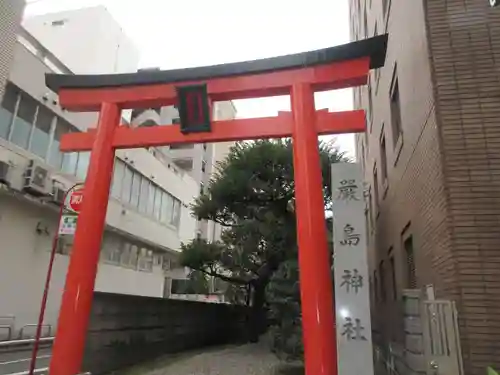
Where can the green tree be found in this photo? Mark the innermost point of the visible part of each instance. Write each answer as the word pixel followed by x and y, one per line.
pixel 252 197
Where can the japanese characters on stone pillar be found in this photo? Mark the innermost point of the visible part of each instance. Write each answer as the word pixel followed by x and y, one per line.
pixel 350 263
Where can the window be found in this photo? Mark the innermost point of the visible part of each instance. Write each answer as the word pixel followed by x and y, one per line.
pixel 383 157
pixel 375 191
pixel 383 284
pixel 384 6
pixel 143 199
pixel 110 253
pixel 134 256
pixel 376 72
pixel 23 122
pixel 392 266
pixel 396 124
pixel 202 188
pixel 119 171
pixel 370 106
pixel 371 208
pixel 363 157
pixel 411 274
pixel 127 185
pixel 204 146
pixel 157 204
pixel 41 132
pixel 176 216
pixel 203 166
pixel 146 259
pixel 166 208
pixel 182 146
pixel 136 190
pixel 131 187
pixel 58 23
pixel 55 156
pixel 70 161
pixel 367 224
pixel 83 165
pixel 7 109
pixel 125 254
pixel 151 199
pixel 365 23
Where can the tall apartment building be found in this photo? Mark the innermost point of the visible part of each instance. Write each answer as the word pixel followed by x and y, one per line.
pixel 88 40
pixel 148 214
pixel 431 158
pixel 11 12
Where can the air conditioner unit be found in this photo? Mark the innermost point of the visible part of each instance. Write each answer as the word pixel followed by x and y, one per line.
pixel 58 194
pixel 4 173
pixel 36 179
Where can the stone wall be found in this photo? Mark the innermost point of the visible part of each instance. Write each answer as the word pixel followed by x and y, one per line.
pixel 126 330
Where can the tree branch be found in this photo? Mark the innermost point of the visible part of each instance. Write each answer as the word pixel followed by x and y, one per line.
pixel 229 279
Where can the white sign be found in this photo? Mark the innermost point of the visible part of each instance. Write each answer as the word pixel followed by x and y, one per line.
pixel 350 263
pixel 67 225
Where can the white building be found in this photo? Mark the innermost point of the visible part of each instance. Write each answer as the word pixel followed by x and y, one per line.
pixel 147 219
pixel 88 40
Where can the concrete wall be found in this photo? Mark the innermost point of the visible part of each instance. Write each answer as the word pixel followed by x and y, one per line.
pixel 25 257
pixel 125 330
pixel 10 17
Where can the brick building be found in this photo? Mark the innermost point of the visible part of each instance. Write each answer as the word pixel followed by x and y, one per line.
pixel 431 158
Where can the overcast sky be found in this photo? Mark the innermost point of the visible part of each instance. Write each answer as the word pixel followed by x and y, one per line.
pixel 228 31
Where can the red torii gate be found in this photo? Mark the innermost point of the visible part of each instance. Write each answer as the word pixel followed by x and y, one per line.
pixel 298 75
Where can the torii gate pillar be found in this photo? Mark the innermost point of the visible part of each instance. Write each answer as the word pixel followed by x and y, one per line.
pixel 297 75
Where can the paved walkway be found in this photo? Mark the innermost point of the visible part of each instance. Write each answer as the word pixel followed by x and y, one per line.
pixel 250 359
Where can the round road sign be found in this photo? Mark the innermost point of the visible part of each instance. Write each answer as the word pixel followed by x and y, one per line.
pixel 75 200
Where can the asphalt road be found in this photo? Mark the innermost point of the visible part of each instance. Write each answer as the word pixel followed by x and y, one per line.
pixel 15 362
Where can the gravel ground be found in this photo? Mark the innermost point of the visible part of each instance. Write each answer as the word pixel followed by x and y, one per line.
pixel 253 359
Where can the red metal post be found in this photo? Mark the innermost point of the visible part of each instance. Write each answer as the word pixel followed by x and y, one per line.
pixel 76 303
pixel 320 347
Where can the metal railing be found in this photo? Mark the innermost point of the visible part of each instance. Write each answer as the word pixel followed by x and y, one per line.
pixel 21 331
pixel 24 342
pixel 21 360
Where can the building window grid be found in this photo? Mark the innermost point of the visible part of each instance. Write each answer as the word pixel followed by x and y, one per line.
pixel 32 126
pixel 127 254
pixel 137 191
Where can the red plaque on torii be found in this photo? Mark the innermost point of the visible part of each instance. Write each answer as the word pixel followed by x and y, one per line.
pixel 193 90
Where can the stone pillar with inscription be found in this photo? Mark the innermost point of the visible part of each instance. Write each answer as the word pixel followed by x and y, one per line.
pixel 352 292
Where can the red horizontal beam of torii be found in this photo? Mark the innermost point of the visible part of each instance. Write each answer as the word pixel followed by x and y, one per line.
pixel 230 130
pixel 321 78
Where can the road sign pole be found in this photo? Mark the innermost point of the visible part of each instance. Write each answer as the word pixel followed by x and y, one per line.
pixel 43 304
